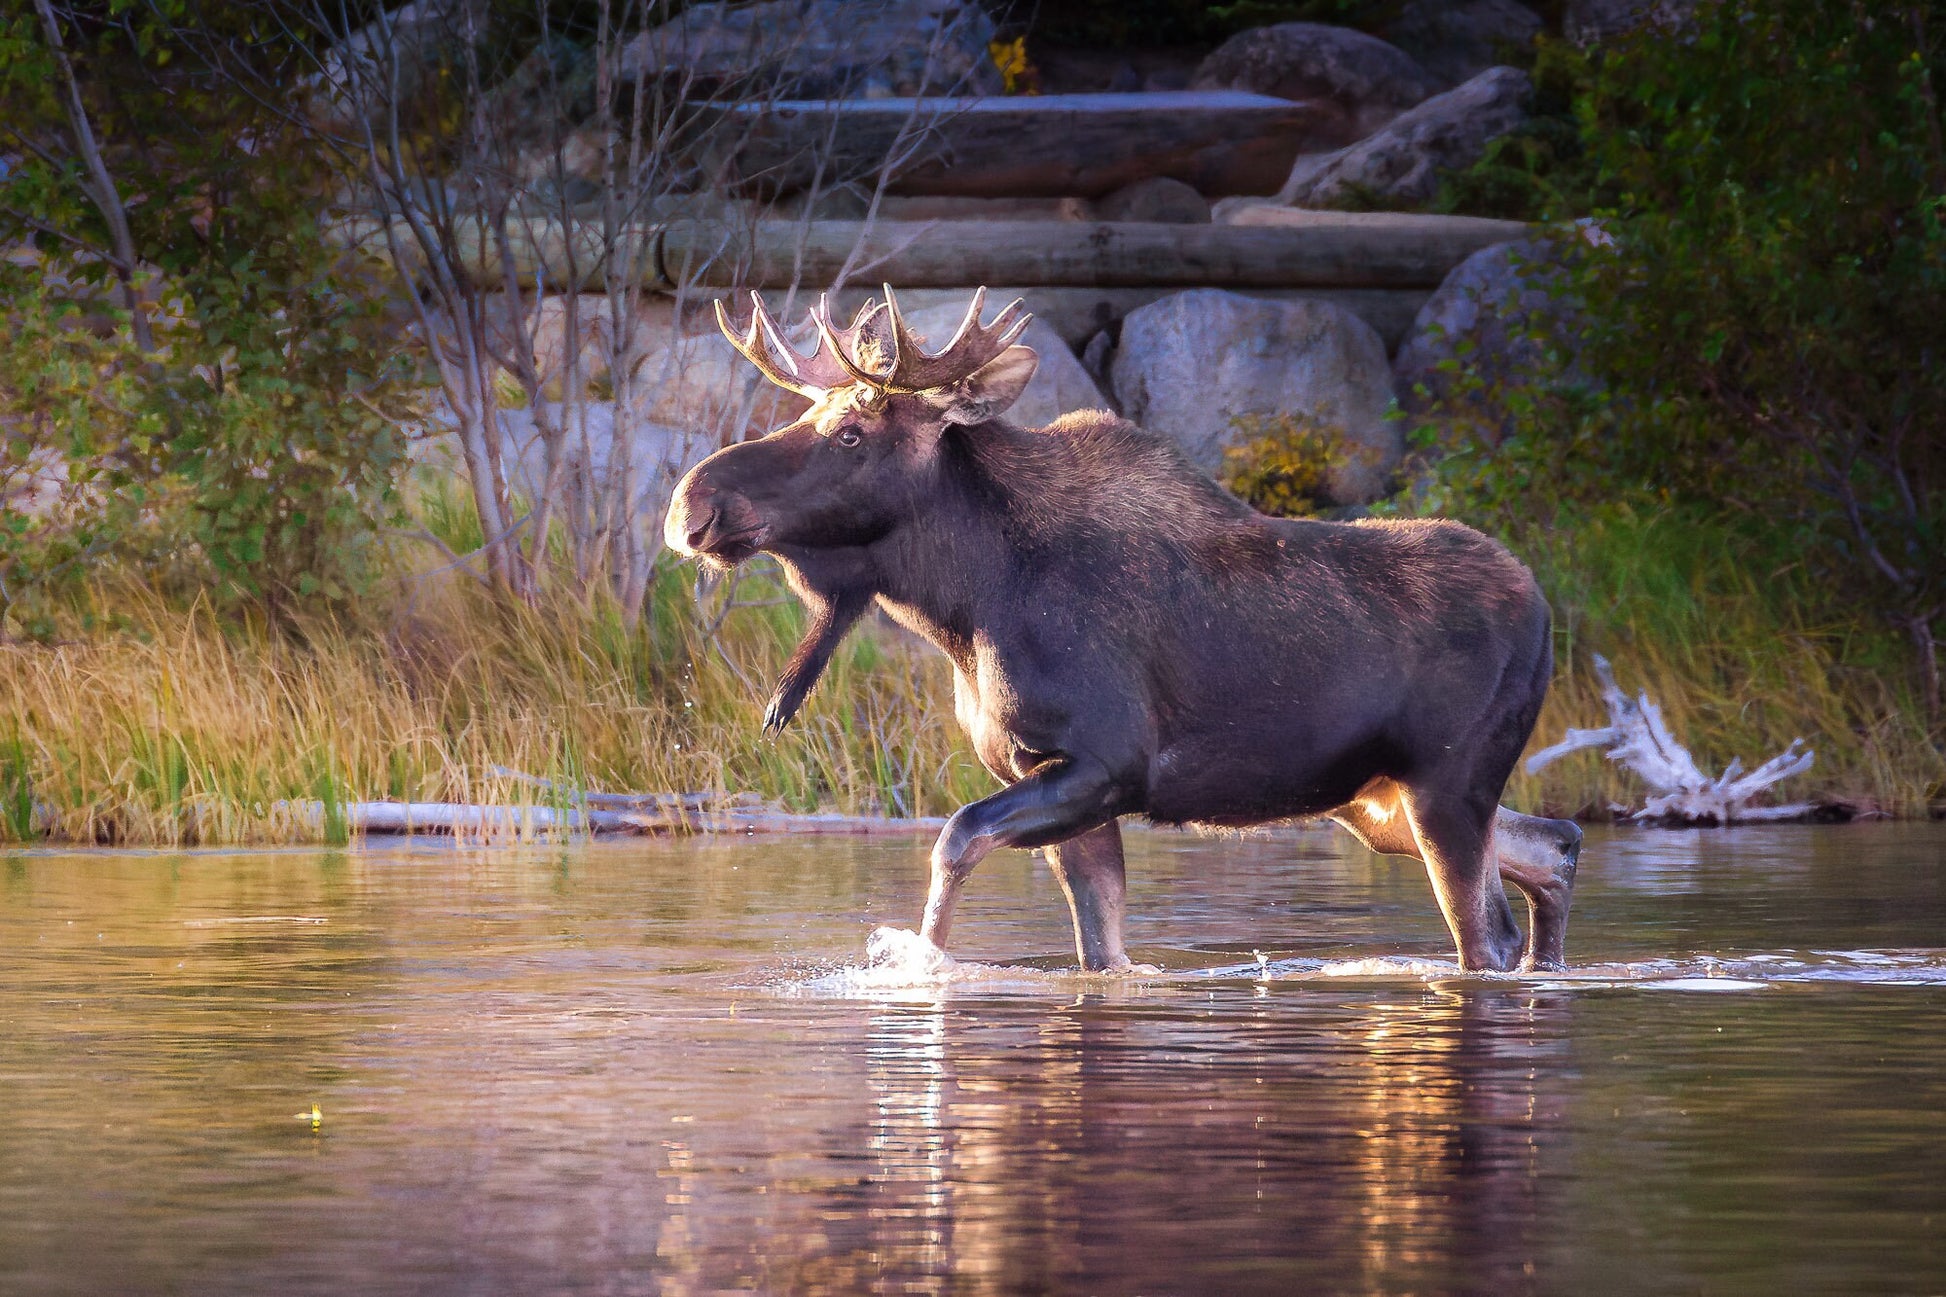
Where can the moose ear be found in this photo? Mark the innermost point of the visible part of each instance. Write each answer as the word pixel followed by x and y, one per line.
pixel 989 390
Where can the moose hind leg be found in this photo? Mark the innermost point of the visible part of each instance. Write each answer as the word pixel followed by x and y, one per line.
pixel 1454 834
pixel 1538 856
pixel 1090 871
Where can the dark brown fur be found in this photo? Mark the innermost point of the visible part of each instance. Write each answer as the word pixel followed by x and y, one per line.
pixel 1128 638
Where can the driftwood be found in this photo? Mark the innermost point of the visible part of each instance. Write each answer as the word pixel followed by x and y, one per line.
pixel 1218 141
pixel 597 813
pixel 643 803
pixel 1680 792
pixel 1398 252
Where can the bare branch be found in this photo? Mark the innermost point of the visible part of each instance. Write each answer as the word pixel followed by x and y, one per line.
pixel 101 188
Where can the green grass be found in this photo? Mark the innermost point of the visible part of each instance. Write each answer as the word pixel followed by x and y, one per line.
pixel 1742 654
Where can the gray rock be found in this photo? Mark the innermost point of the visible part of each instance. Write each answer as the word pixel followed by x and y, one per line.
pixel 1098 356
pixel 820 49
pixel 1456 41
pixel 1366 81
pixel 1589 21
pixel 1060 386
pixel 1503 322
pixel 1197 365
pixel 1402 162
pixel 658 454
pixel 700 383
pixel 1157 200
pixel 387 59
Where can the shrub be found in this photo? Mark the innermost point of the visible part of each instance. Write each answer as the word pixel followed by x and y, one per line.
pixel 1767 332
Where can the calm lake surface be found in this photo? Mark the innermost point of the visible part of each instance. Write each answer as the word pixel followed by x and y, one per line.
pixel 668 1067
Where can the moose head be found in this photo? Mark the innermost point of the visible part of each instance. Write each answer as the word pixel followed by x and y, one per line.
pixel 857 463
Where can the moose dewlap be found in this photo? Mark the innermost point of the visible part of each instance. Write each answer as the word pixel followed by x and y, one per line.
pixel 1129 639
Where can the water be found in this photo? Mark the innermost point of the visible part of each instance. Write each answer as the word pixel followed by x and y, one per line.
pixel 668 1068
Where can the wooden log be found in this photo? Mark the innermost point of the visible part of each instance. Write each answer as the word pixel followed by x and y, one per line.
pixel 483 821
pixel 1680 793
pixel 1402 251
pixel 1396 254
pixel 1219 141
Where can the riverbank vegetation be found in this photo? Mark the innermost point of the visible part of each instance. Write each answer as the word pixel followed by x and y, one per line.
pixel 224 588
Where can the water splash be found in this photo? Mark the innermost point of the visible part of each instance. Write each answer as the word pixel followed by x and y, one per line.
pixel 901 964
pixel 897 955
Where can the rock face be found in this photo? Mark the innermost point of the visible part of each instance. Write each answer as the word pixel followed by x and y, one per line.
pixel 1060 386
pixel 700 384
pixel 1365 81
pixel 1193 365
pixel 820 49
pixel 1503 321
pixel 1456 41
pixel 658 454
pixel 1402 162
pixel 1049 146
pixel 1588 21
pixel 356 76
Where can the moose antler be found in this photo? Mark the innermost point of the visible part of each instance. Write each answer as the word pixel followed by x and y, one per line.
pixel 877 351
pixel 972 347
pixel 763 345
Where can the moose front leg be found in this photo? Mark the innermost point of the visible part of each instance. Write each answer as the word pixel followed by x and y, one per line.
pixel 831 619
pixel 1059 799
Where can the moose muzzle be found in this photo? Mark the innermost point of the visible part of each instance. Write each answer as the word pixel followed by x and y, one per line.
pixel 706 523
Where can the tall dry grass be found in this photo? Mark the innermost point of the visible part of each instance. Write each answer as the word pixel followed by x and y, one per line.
pixel 179 726
pixel 1741 654
pixel 183 728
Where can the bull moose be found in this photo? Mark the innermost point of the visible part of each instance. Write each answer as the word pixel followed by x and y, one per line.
pixel 1129 638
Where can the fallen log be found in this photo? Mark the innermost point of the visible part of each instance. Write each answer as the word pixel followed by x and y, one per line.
pixel 1403 251
pixel 1680 793
pixel 1411 254
pixel 519 821
pixel 1218 141
pixel 653 803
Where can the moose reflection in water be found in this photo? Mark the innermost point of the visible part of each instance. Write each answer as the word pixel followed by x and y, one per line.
pixel 1129 638
pixel 989 1159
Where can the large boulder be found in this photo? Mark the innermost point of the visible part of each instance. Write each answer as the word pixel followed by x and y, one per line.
pixel 392 59
pixel 1504 324
pixel 819 49
pixel 700 383
pixel 1456 40
pixel 1365 81
pixel 1155 201
pixel 1401 164
pixel 658 454
pixel 1588 21
pixel 543 326
pixel 1205 365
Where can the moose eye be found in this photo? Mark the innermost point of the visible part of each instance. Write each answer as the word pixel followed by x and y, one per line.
pixel 847 436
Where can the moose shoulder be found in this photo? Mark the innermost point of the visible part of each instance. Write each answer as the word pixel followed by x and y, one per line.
pixel 1128 638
